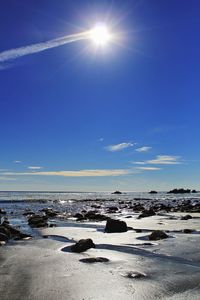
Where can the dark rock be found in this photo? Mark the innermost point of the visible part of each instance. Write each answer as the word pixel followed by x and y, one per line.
pixel 82 245
pixel 194 191
pixel 79 216
pixel 12 232
pixel 153 192
pixel 2 212
pixel 92 260
pixel 3 237
pixel 50 213
pixel 138 207
pixel 38 221
pixel 134 274
pixel 115 226
pixel 112 209
pixel 187 217
pixel 158 235
pixel 5 231
pixel 188 230
pixel 147 213
pixel 179 191
pixel 117 193
pixel 52 225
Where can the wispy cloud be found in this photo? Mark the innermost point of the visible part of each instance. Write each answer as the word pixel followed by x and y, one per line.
pixel 17 161
pixel 35 168
pixel 12 54
pixel 161 160
pixel 119 147
pixel 148 168
pixel 143 149
pixel 165 160
pixel 79 173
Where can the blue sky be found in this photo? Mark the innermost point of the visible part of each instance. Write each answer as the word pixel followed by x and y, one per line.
pixel 122 117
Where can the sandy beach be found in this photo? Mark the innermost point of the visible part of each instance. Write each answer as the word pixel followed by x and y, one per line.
pixel 135 267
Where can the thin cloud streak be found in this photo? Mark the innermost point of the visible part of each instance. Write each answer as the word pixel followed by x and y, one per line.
pixel 148 168
pixel 80 173
pixel 119 147
pixel 12 54
pixel 161 160
pixel 165 160
pixel 34 168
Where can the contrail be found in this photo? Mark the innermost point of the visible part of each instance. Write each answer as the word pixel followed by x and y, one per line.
pixel 35 48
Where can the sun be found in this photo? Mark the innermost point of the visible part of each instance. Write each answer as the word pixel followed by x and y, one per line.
pixel 100 35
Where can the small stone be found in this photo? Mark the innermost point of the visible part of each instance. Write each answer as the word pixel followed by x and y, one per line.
pixel 158 235
pixel 92 260
pixel 134 274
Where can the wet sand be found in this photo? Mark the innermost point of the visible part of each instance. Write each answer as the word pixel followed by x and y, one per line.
pixel 45 268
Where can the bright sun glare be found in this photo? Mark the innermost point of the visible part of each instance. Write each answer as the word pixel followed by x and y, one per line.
pixel 100 35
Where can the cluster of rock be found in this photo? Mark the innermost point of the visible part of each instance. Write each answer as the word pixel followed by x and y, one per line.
pixel 8 232
pixel 181 191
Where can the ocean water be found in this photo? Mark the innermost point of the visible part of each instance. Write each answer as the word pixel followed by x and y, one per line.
pixel 7 196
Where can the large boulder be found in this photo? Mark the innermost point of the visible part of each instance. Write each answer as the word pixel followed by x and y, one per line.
pixel 158 235
pixel 82 245
pixel 113 225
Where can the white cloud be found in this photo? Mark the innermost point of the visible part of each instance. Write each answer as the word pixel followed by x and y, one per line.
pixel 143 149
pixel 34 168
pixel 79 173
pixel 17 161
pixel 119 147
pixel 161 160
pixel 165 160
pixel 148 168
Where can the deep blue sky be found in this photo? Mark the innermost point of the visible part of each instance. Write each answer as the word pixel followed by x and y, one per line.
pixel 61 109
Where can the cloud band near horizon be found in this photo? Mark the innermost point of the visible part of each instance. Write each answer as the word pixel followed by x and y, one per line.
pixel 79 173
